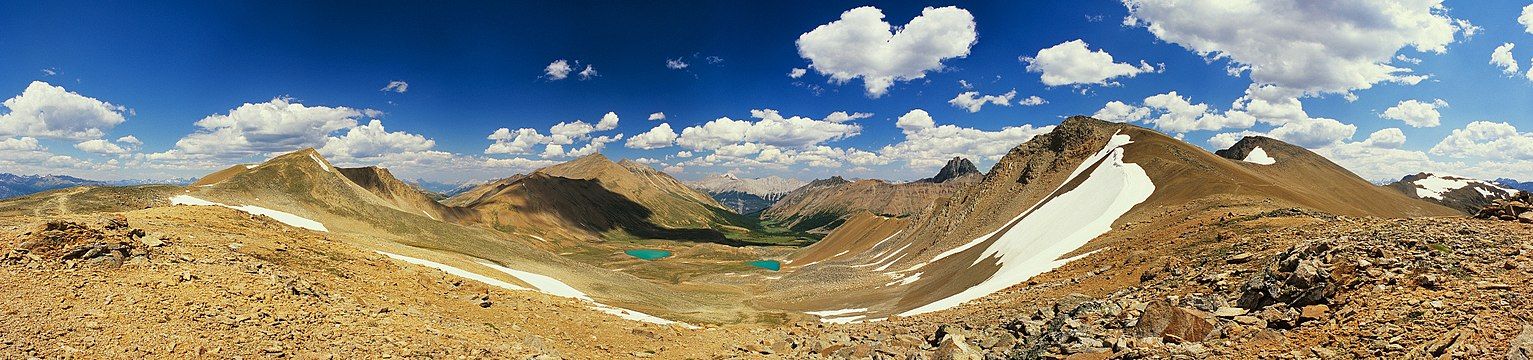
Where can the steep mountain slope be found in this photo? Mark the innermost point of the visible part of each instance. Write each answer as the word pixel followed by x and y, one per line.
pixel 824 204
pixel 1056 196
pixel 402 196
pixel 746 195
pixel 1457 192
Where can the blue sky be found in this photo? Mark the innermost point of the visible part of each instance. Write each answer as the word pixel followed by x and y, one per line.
pixel 473 69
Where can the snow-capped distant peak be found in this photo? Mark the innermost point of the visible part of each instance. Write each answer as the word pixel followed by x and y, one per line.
pixel 1434 186
pixel 755 186
pixel 1259 157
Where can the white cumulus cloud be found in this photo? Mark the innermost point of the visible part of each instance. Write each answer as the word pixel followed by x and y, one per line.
pixel 658 137
pixel 1073 63
pixel 45 110
pixel 1312 47
pixel 1502 58
pixel 862 45
pixel 1416 113
pixel 973 101
pixel 372 140
pixel 398 86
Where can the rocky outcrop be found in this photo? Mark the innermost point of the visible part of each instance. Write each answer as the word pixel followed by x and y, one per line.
pixel 956 168
pixel 1517 208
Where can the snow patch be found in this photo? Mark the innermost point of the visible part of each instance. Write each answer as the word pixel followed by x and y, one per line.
pixel 282 217
pixel 1259 157
pixel 320 162
pixel 1055 227
pixel 843 320
pixel 836 312
pixel 1435 186
pixel 552 286
pixel 251 166
pixel 453 270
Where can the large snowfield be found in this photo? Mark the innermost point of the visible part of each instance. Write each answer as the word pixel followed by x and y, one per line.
pixel 1057 226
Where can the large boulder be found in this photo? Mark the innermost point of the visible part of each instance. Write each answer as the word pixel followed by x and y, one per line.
pixel 1171 323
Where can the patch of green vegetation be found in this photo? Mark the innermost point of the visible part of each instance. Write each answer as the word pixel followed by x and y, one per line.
pixel 816 221
pixel 1440 248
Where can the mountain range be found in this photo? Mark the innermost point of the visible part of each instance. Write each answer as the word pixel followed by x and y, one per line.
pixel 1091 209
pixel 746 195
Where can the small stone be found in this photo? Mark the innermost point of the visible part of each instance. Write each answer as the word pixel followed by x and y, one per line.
pixel 1227 312
pixel 1313 312
pixel 954 347
pixel 1240 258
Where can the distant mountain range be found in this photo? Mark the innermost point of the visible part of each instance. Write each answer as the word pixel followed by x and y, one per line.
pixel 12 185
pixel 746 195
pixel 1524 186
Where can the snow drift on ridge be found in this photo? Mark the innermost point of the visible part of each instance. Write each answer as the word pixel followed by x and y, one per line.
pixel 1057 226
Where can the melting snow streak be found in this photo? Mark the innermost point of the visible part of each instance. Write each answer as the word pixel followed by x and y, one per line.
pixel 1058 225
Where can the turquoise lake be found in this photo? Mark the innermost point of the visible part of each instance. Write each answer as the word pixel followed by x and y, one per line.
pixel 648 254
pixel 767 264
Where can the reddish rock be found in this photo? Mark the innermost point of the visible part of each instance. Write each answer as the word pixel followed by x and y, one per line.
pixel 1172 324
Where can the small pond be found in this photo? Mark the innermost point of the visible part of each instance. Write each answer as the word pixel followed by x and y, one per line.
pixel 648 254
pixel 773 265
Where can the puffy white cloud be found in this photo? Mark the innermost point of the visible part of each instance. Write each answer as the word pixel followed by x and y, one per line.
pixel 518 163
pixel 1487 140
pixel 842 116
pixel 608 122
pixel 676 64
pixel 1416 113
pixel 398 86
pixel 524 140
pixel 1072 63
pixel 44 110
pixel 588 73
pixel 973 101
pixel 1313 47
pixel 915 121
pixel 100 146
pixel 1175 114
pixel 520 141
pixel 1502 58
pixel 557 70
pixel 1033 100
pixel 277 125
pixel 658 137
pixel 20 144
pixel 927 145
pixel 862 45
pixel 1314 132
pixel 130 140
pixel 1526 19
pixel 1391 138
pixel 771 128
pixel 594 146
pixel 1119 111
pixel 552 150
pixel 371 140
pixel 683 154
pixel 797 73
pixel 657 116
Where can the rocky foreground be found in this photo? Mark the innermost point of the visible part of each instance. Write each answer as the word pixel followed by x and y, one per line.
pixel 211 282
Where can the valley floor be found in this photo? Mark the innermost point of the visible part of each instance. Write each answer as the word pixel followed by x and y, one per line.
pixel 200 282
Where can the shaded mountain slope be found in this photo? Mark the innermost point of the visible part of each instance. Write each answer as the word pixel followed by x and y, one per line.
pixel 401 195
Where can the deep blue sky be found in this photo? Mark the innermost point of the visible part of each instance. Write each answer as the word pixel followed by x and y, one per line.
pixel 473 68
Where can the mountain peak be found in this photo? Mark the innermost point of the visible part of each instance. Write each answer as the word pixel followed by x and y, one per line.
pixel 956 168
